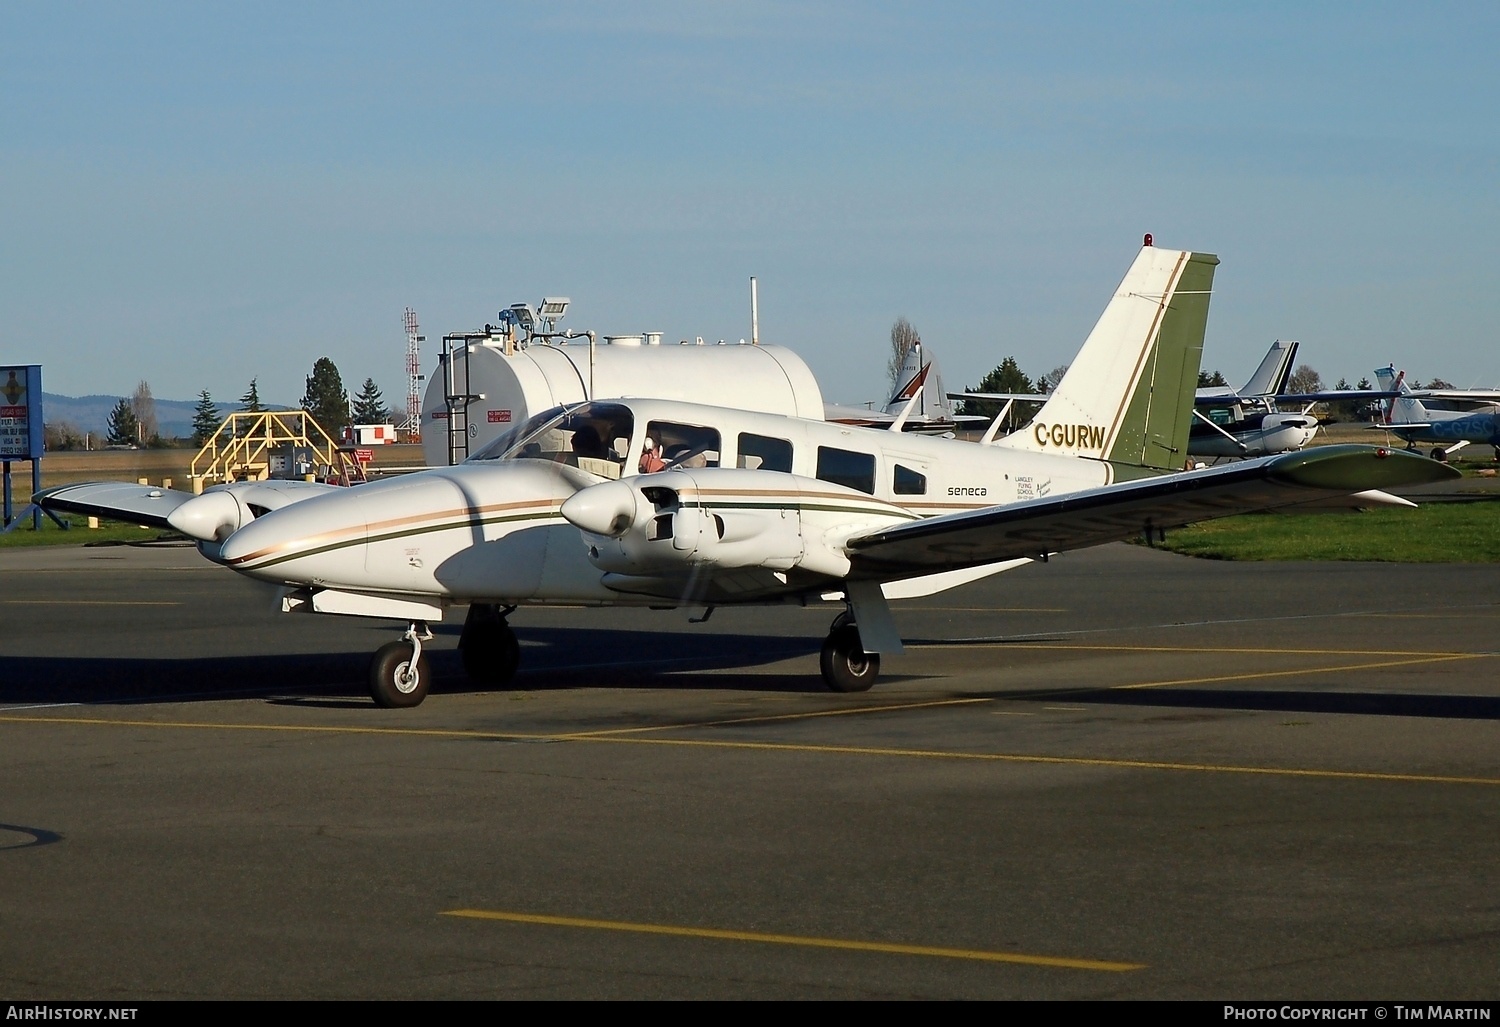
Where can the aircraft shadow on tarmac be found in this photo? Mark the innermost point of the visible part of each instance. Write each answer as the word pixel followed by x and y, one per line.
pixel 1380 704
pixel 562 658
pixel 551 658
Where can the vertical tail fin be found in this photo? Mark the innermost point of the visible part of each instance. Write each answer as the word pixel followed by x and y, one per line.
pixel 1271 376
pixel 1404 409
pixel 1128 395
pixel 919 374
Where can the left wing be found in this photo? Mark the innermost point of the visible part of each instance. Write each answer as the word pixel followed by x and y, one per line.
pixel 1114 512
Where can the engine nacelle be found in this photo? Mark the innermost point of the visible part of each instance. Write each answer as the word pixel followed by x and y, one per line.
pixel 221 511
pixel 719 518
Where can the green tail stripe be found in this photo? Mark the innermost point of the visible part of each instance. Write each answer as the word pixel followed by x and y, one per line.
pixel 1154 429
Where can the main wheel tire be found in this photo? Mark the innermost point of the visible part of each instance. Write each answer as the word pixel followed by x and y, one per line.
pixel 491 656
pixel 394 682
pixel 846 666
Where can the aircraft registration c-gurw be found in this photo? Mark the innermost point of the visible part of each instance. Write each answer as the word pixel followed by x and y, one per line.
pixel 726 506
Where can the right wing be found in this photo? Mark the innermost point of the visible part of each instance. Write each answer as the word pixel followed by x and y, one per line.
pixel 218 511
pixel 1113 512
pixel 117 500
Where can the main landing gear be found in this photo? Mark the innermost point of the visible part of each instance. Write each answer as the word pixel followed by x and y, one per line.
pixel 488 646
pixel 845 664
pixel 399 672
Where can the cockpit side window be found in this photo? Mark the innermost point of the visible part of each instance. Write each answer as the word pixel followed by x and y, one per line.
pixel 592 436
pixel 684 445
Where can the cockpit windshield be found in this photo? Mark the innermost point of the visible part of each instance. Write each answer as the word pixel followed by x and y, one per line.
pixel 594 437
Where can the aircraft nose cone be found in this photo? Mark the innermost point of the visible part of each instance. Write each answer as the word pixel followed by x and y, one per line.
pixel 211 517
pixel 607 509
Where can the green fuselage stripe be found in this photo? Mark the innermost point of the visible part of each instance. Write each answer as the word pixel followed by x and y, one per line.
pixel 471 522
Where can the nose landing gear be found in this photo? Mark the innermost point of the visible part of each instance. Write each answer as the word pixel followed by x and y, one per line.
pixel 399 672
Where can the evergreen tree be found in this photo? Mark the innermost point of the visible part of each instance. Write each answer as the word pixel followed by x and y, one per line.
pixel 1008 377
pixel 325 398
pixel 250 401
pixel 1210 378
pixel 205 419
pixel 1366 410
pixel 369 405
pixel 124 429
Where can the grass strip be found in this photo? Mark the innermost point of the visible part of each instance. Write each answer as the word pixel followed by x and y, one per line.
pixel 1435 533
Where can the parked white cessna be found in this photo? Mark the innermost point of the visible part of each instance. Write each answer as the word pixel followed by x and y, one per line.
pixel 1248 422
pixel 662 504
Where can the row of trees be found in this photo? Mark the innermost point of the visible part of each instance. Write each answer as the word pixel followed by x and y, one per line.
pixel 324 397
pixel 1009 378
pixel 133 421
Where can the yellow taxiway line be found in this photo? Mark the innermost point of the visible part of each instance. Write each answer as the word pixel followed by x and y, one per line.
pixel 86 602
pixel 847 945
pixel 1209 649
pixel 785 747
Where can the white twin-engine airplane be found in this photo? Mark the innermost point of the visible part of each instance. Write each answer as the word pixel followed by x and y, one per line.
pixel 664 504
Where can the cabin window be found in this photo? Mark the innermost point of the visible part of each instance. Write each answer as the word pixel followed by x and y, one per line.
pixel 761 453
pixel 684 445
pixel 853 470
pixel 909 482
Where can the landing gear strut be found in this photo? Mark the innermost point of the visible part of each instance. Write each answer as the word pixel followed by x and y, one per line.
pixel 399 672
pixel 845 664
pixel 488 646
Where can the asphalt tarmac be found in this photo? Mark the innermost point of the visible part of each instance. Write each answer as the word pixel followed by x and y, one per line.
pixel 1121 774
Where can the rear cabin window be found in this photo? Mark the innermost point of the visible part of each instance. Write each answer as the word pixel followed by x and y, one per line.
pixel 761 453
pixel 909 482
pixel 842 467
pixel 685 445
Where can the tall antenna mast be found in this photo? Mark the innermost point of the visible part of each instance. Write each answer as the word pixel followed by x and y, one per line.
pixel 412 426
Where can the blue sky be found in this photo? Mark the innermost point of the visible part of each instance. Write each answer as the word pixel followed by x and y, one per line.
pixel 199 194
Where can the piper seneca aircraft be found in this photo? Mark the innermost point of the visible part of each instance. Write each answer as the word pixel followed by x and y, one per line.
pixel 667 504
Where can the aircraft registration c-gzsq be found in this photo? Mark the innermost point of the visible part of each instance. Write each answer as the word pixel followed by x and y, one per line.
pixel 726 506
pixel 1429 415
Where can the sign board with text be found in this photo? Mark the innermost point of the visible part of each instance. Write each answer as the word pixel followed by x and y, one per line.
pixel 21 412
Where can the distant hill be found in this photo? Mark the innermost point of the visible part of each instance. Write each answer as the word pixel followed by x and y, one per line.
pixel 174 417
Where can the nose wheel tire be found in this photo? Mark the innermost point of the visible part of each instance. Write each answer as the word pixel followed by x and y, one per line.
pixel 845 664
pixel 394 681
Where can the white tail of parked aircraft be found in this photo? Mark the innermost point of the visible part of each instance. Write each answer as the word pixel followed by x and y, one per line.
pixel 921 379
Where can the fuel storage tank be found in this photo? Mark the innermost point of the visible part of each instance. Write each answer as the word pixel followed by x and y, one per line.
pixel 492 390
